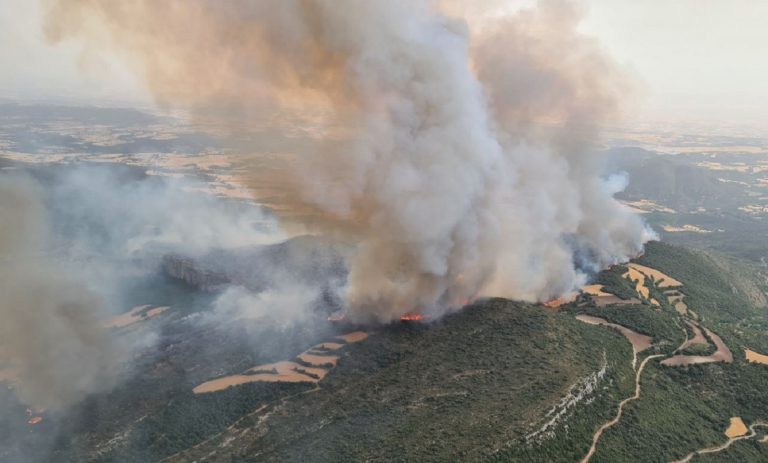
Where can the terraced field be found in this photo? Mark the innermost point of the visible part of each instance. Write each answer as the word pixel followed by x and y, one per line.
pixel 698 383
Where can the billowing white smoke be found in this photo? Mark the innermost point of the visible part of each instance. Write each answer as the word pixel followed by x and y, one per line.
pixel 68 252
pixel 468 166
pixel 139 216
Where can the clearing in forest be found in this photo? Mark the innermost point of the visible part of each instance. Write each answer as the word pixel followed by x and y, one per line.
pixel 736 428
pixel 320 364
pixel 753 356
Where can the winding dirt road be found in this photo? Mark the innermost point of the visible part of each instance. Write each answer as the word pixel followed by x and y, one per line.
pixel 599 433
pixel 752 433
pixel 617 418
pixel 640 342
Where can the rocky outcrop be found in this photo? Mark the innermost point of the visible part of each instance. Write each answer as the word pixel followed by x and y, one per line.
pixel 303 260
pixel 193 273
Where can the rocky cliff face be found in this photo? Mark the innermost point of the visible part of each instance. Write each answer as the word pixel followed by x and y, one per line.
pixel 193 273
pixel 303 260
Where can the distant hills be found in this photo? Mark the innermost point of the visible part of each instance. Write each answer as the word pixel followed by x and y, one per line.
pixel 672 180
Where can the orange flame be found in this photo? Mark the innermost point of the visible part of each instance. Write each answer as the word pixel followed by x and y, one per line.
pixel 555 303
pixel 35 420
pixel 408 317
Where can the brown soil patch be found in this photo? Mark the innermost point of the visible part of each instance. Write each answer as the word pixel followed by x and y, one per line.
pixel 133 316
pixel 731 440
pixel 737 428
pixel 328 346
pixel 156 311
pixel 128 318
pixel 318 360
pixel 675 299
pixel 639 280
pixel 698 337
pixel 353 337
pixel 595 290
pixel 723 354
pixel 681 307
pixel 288 368
pixel 237 380
pixel 286 372
pixel 753 356
pixel 662 280
pixel 639 342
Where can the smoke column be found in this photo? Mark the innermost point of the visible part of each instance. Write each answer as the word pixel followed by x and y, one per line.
pixel 467 164
pixel 49 332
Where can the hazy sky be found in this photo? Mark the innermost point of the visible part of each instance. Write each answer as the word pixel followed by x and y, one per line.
pixel 31 69
pixel 696 59
pixel 699 59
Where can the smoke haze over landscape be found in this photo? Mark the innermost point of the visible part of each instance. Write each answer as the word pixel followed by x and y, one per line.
pixel 71 251
pixel 447 196
pixel 50 331
pixel 383 230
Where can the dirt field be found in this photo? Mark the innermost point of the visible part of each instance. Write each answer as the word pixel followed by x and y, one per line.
pixel 737 427
pixel 723 354
pixel 675 299
pixel 287 371
pixel 353 337
pixel 698 336
pixel 318 360
pixel 133 316
pixel 662 280
pixel 639 279
pixel 639 342
pixel 753 356
pixel 327 346
pixel 595 290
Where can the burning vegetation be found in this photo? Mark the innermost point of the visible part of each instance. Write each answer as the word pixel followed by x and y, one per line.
pixel 34 416
pixel 340 316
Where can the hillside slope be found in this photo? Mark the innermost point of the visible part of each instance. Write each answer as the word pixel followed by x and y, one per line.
pixel 687 408
pixel 499 381
pixel 466 387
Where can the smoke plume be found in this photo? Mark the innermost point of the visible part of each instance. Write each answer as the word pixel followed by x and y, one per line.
pixel 50 333
pixel 466 163
pixel 98 210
